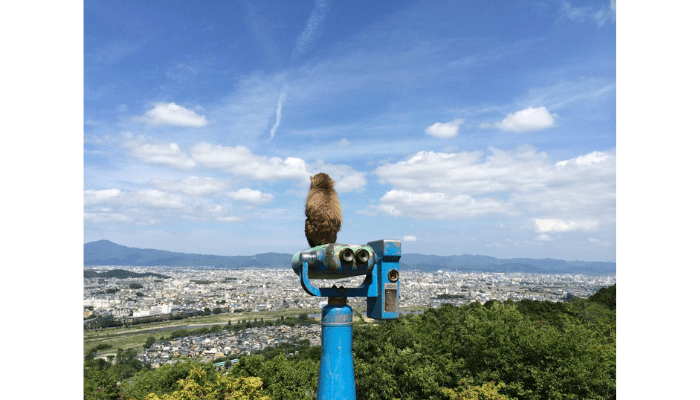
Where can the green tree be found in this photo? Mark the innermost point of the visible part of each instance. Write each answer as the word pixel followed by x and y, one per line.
pixel 196 386
pixel 606 296
pixel 100 384
pixel 416 358
pixel 487 391
pixel 149 342
pixel 283 378
pixel 164 379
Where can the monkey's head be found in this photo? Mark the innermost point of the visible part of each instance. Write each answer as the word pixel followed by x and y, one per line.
pixel 322 181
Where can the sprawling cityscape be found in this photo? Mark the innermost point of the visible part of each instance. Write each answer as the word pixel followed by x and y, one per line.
pixel 192 291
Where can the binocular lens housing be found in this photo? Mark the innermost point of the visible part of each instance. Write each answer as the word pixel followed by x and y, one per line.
pixel 335 261
pixel 347 255
pixel 362 256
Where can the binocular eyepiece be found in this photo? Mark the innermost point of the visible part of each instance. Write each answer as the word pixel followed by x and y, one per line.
pixel 336 261
pixel 360 256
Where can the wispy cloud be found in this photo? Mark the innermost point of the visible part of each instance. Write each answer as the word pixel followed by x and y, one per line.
pixel 114 51
pixel 600 242
pixel 246 112
pixel 584 91
pixel 280 102
pixel 313 24
pixel 172 114
pixel 581 14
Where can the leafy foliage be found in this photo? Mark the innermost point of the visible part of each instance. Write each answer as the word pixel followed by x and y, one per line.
pixel 196 386
pixel 571 357
pixel 487 391
pixel 606 297
pixel 165 379
pixel 284 378
pixel 524 350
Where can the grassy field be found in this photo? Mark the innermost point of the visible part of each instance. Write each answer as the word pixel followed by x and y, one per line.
pixel 135 336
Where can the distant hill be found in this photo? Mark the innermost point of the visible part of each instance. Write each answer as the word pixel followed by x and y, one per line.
pixel 468 262
pixel 104 252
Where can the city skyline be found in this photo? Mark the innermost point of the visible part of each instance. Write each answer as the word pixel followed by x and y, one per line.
pixel 461 129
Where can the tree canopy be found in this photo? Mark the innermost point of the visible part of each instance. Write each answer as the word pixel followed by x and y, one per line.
pixel 512 350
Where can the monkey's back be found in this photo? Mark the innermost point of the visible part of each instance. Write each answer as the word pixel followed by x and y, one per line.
pixel 323 217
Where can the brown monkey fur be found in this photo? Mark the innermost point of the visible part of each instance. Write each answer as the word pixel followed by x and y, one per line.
pixel 323 213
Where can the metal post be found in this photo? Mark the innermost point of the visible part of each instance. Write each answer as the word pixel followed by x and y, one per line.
pixel 336 379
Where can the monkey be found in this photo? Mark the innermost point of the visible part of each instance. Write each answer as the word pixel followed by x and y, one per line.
pixel 323 213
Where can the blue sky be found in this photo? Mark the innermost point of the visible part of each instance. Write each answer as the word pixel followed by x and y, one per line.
pixel 459 128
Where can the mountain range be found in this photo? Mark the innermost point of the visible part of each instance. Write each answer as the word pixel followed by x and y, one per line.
pixel 104 252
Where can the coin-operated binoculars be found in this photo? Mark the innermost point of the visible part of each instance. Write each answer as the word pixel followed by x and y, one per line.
pixel 379 262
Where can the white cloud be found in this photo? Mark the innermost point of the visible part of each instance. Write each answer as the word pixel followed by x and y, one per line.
pixel 240 161
pixel 167 154
pixel 250 196
pixel 435 205
pixel 409 238
pixel 346 178
pixel 146 197
pixel 513 182
pixel 470 172
pixel 543 237
pixel 444 130
pixel 529 119
pixel 589 159
pixel 215 212
pixel 149 207
pixel 193 185
pixel 557 225
pixel 172 114
pixel 156 198
pixel 91 197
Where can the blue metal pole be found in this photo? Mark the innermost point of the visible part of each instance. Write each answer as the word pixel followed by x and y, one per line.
pixel 336 378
